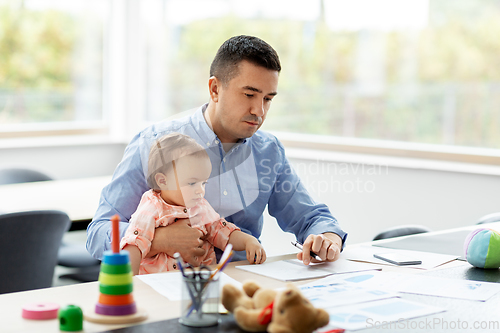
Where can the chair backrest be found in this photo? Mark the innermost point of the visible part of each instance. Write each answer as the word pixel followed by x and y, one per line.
pixel 29 246
pixel 18 175
pixel 490 218
pixel 402 230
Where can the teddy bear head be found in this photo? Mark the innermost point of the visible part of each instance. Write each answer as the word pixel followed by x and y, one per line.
pixel 293 313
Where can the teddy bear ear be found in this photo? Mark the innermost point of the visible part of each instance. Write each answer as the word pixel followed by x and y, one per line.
pixel 250 287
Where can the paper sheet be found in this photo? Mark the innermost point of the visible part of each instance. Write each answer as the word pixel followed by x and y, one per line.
pixel 365 253
pixel 341 266
pixel 353 306
pixel 169 284
pixel 422 285
pixel 393 311
pixel 294 270
pixel 326 292
pixel 285 271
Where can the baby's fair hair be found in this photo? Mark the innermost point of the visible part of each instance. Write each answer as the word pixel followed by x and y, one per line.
pixel 167 149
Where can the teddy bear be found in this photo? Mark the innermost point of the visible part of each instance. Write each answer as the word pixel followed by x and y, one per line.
pixel 258 309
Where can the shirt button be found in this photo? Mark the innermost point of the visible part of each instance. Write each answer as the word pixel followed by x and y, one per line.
pixel 208 144
pixel 136 232
pixel 217 142
pixel 224 159
pixel 225 192
pixel 185 210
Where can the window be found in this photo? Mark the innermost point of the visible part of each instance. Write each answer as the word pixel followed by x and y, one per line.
pixel 51 65
pixel 415 71
pixel 408 72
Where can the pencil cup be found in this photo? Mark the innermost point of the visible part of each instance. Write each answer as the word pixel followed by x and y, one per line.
pixel 200 301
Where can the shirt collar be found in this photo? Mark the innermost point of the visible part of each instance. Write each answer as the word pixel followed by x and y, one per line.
pixel 204 131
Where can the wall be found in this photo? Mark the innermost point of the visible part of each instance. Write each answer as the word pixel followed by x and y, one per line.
pixel 367 197
pixel 65 161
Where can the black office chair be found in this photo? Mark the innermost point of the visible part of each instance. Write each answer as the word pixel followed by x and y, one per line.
pixel 76 256
pixel 490 218
pixel 29 246
pixel 70 255
pixel 20 175
pixel 402 230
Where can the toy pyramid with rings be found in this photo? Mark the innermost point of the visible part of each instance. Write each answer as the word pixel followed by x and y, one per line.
pixel 116 303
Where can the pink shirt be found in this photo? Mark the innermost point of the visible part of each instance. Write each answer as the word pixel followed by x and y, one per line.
pixel 154 212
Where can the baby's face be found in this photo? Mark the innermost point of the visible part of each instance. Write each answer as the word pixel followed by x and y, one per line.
pixel 192 173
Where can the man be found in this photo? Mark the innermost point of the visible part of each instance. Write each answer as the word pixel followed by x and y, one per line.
pixel 250 170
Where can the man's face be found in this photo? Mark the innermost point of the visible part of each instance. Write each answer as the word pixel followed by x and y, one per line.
pixel 242 105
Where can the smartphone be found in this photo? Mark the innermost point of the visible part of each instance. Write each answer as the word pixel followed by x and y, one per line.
pixel 397 258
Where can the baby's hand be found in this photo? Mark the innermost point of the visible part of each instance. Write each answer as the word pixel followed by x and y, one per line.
pixel 255 251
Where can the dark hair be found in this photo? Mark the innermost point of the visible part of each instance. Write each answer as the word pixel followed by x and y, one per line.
pixel 239 48
pixel 168 148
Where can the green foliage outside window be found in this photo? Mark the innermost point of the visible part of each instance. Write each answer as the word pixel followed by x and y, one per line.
pixel 440 84
pixel 36 49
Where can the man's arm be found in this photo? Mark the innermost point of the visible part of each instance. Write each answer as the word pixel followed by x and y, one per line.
pixel 297 212
pixel 121 197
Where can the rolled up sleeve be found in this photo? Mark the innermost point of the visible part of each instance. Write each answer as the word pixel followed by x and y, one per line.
pixel 294 208
pixel 141 230
pixel 219 233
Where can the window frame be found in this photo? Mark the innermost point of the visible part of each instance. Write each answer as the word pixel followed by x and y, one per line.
pixel 409 150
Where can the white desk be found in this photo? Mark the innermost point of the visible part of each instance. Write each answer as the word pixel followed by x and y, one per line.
pixel 160 308
pixel 79 198
pixel 85 295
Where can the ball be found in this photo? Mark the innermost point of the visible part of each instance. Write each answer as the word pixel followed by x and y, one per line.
pixel 482 248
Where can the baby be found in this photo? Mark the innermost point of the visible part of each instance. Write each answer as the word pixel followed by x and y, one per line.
pixel 178 170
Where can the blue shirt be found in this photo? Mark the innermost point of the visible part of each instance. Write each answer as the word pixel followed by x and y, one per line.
pixel 253 174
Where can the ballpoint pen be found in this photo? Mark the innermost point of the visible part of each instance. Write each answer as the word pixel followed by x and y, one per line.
pixel 299 246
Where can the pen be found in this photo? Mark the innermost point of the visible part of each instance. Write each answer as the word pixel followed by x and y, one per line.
pixel 177 257
pixel 224 260
pixel 299 246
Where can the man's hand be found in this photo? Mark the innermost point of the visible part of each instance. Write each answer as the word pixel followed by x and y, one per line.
pixel 327 246
pixel 179 237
